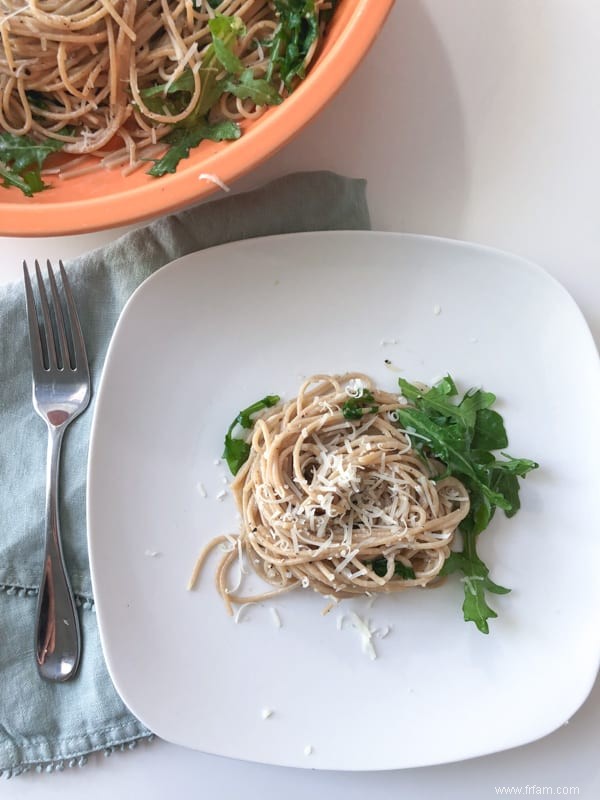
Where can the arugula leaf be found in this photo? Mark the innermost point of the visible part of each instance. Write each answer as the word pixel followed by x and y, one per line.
pixel 22 159
pixel 517 466
pixel 259 90
pixel 36 99
pixel 183 139
pixel 22 151
pixel 219 55
pixel 356 407
pixel 237 450
pixel 224 27
pixel 226 57
pixel 173 97
pixel 12 178
pixel 463 435
pixel 224 31
pixel 476 583
pixel 435 403
pixel 488 431
pixel 33 179
pixel 380 567
pixel 296 32
pixel 445 386
pixel 434 436
pixel 236 453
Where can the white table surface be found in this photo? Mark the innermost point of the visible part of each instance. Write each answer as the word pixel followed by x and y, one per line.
pixel 472 119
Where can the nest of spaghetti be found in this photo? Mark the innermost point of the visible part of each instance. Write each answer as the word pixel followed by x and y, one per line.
pixel 334 497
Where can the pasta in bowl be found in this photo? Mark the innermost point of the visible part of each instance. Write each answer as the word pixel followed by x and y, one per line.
pixel 114 110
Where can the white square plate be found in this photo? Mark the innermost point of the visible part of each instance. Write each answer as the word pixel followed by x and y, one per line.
pixel 212 332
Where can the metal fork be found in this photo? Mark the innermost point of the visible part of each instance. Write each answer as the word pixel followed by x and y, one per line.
pixel 61 391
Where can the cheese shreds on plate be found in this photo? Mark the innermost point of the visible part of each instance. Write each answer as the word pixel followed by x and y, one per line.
pixel 276 617
pixel 366 634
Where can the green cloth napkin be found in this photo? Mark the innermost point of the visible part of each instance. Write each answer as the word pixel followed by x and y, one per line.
pixel 50 726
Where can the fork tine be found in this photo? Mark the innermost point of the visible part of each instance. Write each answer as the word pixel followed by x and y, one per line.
pixel 48 332
pixel 62 345
pixel 81 362
pixel 35 340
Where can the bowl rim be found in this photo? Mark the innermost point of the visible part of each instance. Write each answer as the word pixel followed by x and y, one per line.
pixel 230 161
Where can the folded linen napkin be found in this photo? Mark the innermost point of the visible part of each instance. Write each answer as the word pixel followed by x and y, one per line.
pixel 49 726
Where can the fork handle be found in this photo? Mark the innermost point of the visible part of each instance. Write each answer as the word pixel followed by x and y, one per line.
pixel 57 634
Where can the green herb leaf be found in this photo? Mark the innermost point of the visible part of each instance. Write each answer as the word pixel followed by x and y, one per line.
pixel 11 178
pixel 244 418
pixel 463 436
pixel 22 159
pixel 380 567
pixel 356 407
pixel 227 58
pixel 296 32
pixel 236 453
pixel 22 151
pixel 174 97
pixel 516 466
pixel 476 583
pixel 237 450
pixel 259 90
pixel 435 437
pixel 435 403
pixel 489 432
pixel 33 179
pixel 182 140
pixel 446 387
pixel 225 32
pixel 224 27
pixel 36 99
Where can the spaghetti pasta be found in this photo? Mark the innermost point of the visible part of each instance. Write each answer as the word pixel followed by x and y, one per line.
pixel 343 506
pixel 79 71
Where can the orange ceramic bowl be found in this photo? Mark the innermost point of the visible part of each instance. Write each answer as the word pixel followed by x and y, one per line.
pixel 106 198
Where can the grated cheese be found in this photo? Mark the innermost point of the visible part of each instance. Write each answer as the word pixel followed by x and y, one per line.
pixel 355 388
pixel 238 614
pixel 183 62
pixel 381 633
pixel 207 176
pixel 343 564
pixel 276 617
pixel 366 635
